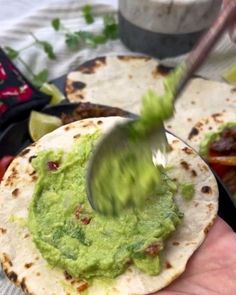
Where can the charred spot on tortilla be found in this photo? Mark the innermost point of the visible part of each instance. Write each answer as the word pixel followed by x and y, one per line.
pixel 194 173
pixel 33 173
pixel 7 261
pixel 163 70
pixel 194 131
pixel 78 85
pixel 66 128
pixel 176 243
pixel 193 102
pixel 208 227
pixel 160 71
pixel 24 152
pixel 76 136
pixel 233 90
pixel 91 66
pixel 12 177
pixel 12 276
pixel 217 117
pixel 29 265
pixel 99 122
pixel 15 192
pixel 26 236
pixel 3 230
pixel 184 164
pixel 32 157
pixel 206 189
pixel 168 265
pixel 189 119
pixel 23 285
pixel 187 150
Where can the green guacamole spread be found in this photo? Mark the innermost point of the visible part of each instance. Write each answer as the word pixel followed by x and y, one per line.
pixel 72 236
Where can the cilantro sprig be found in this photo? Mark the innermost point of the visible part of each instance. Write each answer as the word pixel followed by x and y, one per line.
pixel 77 39
pixel 73 40
pixel 87 13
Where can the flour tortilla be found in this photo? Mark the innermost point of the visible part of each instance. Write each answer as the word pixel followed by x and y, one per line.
pixel 22 261
pixel 122 81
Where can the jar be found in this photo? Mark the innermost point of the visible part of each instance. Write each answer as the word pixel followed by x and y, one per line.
pixel 165 28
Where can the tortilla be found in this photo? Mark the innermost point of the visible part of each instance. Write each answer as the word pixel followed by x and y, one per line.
pixel 115 81
pixel 22 261
pixel 121 81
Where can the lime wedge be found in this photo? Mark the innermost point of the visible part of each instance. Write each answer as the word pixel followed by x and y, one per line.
pixel 51 89
pixel 230 75
pixel 41 124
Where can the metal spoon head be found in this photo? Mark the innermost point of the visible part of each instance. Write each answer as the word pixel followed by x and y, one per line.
pixel 115 141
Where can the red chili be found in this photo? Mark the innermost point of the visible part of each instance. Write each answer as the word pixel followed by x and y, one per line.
pixel 52 166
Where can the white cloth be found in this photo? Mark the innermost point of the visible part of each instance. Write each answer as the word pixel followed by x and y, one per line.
pixel 19 18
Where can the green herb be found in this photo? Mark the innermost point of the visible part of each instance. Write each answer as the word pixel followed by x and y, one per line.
pixel 56 24
pixel 72 40
pixel 11 53
pixel 75 39
pixel 110 27
pixel 100 39
pixel 40 78
pixel 88 38
pixel 46 46
pixel 48 49
pixel 87 13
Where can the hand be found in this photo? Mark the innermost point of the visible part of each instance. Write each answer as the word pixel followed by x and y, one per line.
pixel 232 30
pixel 212 269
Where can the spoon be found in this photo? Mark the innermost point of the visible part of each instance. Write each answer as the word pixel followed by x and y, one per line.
pixel 118 138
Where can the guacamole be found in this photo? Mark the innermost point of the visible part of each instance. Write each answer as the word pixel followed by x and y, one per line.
pixel 187 191
pixel 128 176
pixel 72 236
pixel 133 178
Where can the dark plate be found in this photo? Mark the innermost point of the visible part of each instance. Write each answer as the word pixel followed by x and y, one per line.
pixel 16 137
